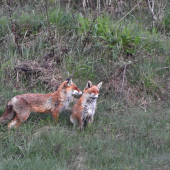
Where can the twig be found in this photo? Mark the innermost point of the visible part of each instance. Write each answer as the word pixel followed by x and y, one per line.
pixel 86 4
pixel 124 74
pixel 151 4
pixel 121 69
pixel 161 68
pixel 119 91
pixel 88 33
pixel 13 27
pixel 68 4
pixel 98 6
pixel 49 30
pixel 128 12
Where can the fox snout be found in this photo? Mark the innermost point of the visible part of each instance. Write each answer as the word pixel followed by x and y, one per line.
pixel 80 93
pixel 75 92
pixel 92 95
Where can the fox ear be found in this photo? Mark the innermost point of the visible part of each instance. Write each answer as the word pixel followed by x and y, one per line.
pixel 99 85
pixel 69 82
pixel 89 84
pixel 67 79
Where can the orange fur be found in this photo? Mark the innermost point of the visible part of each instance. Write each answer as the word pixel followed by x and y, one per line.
pixel 20 107
pixel 84 110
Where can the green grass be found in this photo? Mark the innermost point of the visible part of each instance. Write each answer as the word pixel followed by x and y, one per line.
pixel 119 138
pixel 90 46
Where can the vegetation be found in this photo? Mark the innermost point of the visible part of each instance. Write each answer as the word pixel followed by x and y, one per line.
pixel 124 44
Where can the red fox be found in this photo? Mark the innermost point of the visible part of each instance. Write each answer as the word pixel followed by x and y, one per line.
pixel 84 110
pixel 19 107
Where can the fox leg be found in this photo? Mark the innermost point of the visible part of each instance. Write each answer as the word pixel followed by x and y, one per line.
pixel 8 114
pixel 55 115
pixel 82 127
pixel 81 124
pixel 73 121
pixel 21 115
pixel 18 119
pixel 91 120
pixel 14 123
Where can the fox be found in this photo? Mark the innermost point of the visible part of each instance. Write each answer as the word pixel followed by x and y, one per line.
pixel 19 107
pixel 84 109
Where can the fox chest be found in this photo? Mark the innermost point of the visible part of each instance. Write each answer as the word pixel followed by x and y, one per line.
pixel 66 102
pixel 88 109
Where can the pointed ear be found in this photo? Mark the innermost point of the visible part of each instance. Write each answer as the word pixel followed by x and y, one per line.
pixel 69 82
pixel 99 85
pixel 89 84
pixel 67 79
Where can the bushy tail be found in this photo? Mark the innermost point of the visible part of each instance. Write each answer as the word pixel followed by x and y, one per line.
pixel 8 114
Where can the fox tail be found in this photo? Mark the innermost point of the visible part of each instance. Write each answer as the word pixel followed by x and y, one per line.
pixel 8 114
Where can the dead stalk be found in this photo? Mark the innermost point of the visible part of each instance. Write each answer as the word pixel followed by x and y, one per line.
pixel 10 12
pixel 129 12
pixel 49 30
pixel 88 33
pixel 124 75
pixel 157 9
pixel 151 5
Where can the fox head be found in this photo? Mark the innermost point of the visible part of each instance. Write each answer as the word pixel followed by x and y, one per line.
pixel 71 88
pixel 92 91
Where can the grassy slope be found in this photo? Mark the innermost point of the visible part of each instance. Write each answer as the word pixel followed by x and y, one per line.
pixel 121 137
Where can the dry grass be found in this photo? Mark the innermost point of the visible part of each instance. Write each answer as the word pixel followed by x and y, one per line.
pixel 44 72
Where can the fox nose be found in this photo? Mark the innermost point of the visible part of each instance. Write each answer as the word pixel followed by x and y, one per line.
pixel 96 96
pixel 80 92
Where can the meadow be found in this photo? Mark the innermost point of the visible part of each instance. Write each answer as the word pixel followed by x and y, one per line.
pixel 127 47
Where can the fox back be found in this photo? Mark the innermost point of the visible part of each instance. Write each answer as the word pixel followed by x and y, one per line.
pixel 20 107
pixel 83 111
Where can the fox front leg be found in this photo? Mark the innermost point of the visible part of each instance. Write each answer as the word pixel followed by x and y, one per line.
pixel 55 115
pixel 14 124
pixel 90 121
pixel 81 124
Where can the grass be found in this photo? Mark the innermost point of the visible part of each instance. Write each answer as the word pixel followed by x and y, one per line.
pixel 89 46
pixel 119 138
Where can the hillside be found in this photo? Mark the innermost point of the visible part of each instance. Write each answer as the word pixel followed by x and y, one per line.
pixel 126 45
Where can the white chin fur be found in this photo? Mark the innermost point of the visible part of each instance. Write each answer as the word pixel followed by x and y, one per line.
pixel 75 92
pixel 94 96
